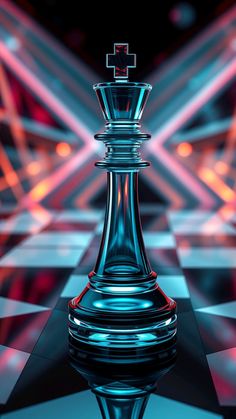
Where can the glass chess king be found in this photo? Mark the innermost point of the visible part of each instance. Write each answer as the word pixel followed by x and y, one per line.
pixel 122 308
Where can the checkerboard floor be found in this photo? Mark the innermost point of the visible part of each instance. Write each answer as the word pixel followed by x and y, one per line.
pixel 44 261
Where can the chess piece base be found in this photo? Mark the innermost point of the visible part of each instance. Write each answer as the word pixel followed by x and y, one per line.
pixel 122 321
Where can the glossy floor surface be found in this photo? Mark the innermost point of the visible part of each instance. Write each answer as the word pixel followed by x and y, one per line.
pixel 45 257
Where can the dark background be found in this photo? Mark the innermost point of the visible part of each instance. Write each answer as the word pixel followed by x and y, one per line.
pixel 154 30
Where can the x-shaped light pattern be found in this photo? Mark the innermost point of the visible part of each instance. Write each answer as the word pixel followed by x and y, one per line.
pixel 183 88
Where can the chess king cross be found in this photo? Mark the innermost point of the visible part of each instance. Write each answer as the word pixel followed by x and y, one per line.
pixel 122 309
pixel 121 61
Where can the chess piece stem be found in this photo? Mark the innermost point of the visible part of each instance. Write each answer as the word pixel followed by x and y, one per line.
pixel 122 260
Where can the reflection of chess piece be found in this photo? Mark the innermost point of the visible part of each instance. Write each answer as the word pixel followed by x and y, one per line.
pixel 122 307
pixel 123 386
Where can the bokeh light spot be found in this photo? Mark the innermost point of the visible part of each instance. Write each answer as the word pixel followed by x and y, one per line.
pixel 33 168
pixel 207 174
pixel 184 149
pixel 39 191
pixel 63 149
pixel 221 167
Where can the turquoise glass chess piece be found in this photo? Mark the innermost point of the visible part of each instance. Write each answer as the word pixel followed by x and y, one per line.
pixel 122 308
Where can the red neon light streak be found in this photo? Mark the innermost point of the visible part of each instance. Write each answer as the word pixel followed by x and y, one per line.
pixel 47 185
pixel 193 105
pixel 179 119
pixel 46 96
pixel 191 48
